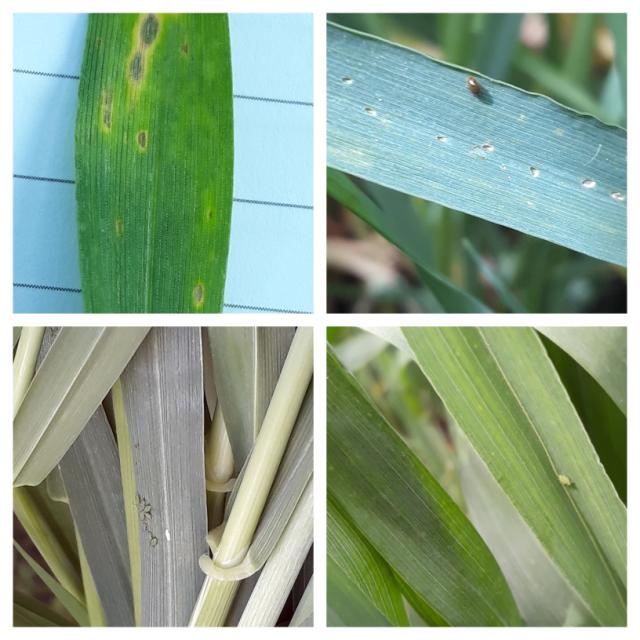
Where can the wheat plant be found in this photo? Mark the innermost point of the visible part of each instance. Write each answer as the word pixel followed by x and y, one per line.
pixel 163 477
pixel 477 477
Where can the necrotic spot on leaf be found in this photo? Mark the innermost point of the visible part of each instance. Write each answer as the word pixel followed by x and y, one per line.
pixel 107 102
pixel 119 226
pixel 149 29
pixel 198 295
pixel 184 48
pixel 142 139
pixel 135 68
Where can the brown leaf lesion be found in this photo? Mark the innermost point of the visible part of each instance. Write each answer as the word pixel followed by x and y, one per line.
pixel 142 140
pixel 136 68
pixel 198 295
pixel 149 29
pixel 106 109
pixel 145 38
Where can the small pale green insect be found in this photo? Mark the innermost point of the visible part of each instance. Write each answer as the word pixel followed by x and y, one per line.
pixel 565 481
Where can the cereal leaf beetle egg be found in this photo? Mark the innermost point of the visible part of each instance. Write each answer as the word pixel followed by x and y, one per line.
pixel 565 481
pixel 474 86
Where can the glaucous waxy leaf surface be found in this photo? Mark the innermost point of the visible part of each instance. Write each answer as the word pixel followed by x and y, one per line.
pixel 411 123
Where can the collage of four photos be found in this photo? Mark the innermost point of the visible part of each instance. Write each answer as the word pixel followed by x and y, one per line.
pixel 472 468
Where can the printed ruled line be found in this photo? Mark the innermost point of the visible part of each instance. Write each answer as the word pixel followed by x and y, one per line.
pixel 266 203
pixel 31 72
pixel 237 96
pixel 231 305
pixel 45 287
pixel 255 308
pixel 44 179
pixel 299 103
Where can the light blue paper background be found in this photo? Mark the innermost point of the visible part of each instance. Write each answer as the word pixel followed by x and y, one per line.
pixel 271 254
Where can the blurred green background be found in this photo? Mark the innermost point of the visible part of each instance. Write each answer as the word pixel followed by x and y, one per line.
pixel 578 60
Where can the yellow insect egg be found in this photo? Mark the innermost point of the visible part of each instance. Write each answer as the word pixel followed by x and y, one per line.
pixel 565 481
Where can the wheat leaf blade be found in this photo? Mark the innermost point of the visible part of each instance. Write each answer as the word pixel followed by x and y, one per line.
pixel 71 604
pixel 164 402
pixel 362 568
pixel 500 387
pixel 601 351
pixel 407 121
pixel 401 510
pixel 72 380
pixel 246 364
pixel 91 473
pixel 154 162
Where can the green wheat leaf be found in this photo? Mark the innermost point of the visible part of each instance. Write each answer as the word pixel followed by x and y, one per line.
pixel 154 162
pixel 407 517
pixel 502 390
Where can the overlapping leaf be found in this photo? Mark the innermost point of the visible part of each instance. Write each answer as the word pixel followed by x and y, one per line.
pixel 402 227
pixel 246 365
pixel 163 399
pixel 501 388
pixel 73 379
pixel 405 514
pixel 356 568
pixel 601 351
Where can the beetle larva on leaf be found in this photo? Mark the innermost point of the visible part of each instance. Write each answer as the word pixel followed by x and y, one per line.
pixel 565 481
